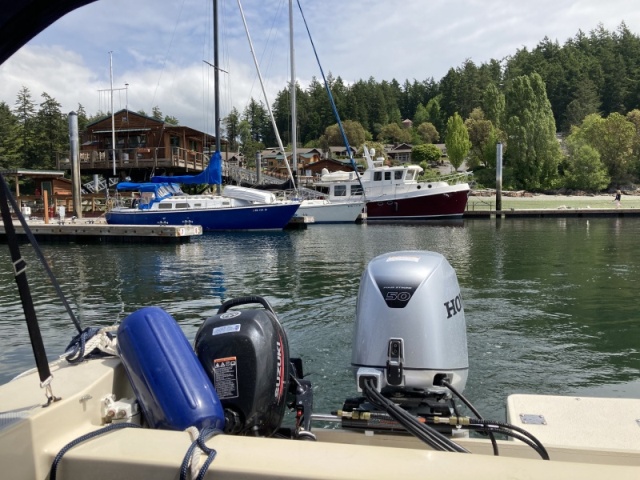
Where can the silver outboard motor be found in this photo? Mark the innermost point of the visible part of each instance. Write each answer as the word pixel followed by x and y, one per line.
pixel 410 330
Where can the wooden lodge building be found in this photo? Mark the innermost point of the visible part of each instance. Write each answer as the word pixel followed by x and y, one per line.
pixel 144 146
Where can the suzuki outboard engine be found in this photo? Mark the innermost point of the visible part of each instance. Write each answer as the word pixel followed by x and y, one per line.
pixel 410 331
pixel 246 356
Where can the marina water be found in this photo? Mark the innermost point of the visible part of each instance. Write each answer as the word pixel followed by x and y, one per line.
pixel 551 304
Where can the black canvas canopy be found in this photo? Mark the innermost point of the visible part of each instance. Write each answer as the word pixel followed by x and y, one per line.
pixel 21 20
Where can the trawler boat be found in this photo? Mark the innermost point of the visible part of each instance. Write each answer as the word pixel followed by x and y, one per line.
pixel 395 194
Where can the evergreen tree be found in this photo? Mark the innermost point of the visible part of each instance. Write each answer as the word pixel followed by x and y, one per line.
pixel 51 133
pixel 479 134
pixel 157 113
pixel 493 105
pixel 9 138
pixel 434 113
pixel 534 151
pixel 83 120
pixel 232 128
pixel 25 112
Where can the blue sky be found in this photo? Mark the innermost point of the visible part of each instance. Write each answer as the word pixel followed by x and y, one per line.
pixel 159 46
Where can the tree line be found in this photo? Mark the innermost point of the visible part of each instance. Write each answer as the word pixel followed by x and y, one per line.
pixel 585 92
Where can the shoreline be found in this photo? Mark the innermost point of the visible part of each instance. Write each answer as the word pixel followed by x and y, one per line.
pixel 478 200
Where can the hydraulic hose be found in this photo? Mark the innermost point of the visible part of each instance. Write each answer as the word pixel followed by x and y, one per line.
pixel 422 431
pixel 464 400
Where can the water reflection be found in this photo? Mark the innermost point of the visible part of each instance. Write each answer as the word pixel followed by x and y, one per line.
pixel 550 304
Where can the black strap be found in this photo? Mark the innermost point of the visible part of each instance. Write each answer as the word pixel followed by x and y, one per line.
pixel 20 271
pixel 39 254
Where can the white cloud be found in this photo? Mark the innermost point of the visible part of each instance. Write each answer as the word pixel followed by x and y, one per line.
pixel 159 46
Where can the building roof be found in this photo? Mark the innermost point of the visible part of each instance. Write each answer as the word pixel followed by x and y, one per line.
pixel 25 172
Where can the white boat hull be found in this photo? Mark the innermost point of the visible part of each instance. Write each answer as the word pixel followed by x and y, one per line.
pixel 31 436
pixel 324 211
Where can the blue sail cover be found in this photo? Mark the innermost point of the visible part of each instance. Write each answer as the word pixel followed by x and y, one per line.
pixel 212 175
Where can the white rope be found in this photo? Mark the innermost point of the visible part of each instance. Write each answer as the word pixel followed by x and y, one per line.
pixel 100 341
pixel 196 457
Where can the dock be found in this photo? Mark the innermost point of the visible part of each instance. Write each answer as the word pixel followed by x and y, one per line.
pixel 93 232
pixel 553 213
pixel 299 223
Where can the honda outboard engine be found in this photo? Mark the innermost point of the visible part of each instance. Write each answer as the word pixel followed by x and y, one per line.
pixel 410 331
pixel 246 356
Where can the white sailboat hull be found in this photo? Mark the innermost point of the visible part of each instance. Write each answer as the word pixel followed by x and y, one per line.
pixel 325 211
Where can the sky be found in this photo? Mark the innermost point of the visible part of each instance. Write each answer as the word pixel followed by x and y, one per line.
pixel 158 49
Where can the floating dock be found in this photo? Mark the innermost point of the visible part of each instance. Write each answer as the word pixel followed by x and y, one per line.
pixel 299 223
pixel 88 232
pixel 554 213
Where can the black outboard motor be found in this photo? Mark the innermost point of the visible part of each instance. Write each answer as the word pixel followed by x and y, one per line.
pixel 246 356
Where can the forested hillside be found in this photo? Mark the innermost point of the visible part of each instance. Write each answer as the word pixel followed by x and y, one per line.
pixel 587 78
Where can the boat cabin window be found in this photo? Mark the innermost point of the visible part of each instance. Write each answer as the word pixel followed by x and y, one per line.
pixel 387 175
pixel 340 191
pixel 377 176
pixel 182 205
pixel 398 174
pixel 163 191
pixel 165 206
pixel 356 190
pixel 411 174
pixel 146 197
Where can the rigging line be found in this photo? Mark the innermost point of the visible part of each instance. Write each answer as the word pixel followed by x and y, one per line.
pixel 273 121
pixel 263 54
pixel 333 104
pixel 164 63
pixel 205 77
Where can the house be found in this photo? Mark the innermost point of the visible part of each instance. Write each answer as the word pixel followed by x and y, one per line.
pixel 273 160
pixel 399 152
pixel 234 159
pixel 50 180
pixel 142 145
pixel 342 152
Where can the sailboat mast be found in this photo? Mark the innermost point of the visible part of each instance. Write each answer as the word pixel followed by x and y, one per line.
pixel 216 82
pixel 216 75
pixel 264 93
pixel 113 118
pixel 294 121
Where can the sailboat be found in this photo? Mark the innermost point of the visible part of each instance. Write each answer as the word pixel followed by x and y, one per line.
pixel 162 202
pixel 146 404
pixel 321 209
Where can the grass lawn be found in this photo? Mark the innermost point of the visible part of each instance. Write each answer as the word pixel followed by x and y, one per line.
pixel 537 202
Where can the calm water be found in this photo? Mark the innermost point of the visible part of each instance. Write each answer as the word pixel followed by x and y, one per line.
pixel 550 304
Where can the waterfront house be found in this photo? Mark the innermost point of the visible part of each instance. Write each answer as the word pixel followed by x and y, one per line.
pixel 143 146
